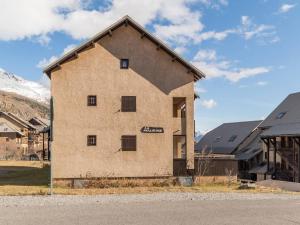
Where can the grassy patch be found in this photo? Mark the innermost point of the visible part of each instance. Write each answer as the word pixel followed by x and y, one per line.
pixel 208 188
pixel 24 178
pixel 33 178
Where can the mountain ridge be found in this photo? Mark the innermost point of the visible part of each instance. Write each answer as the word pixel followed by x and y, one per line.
pixel 10 82
pixel 22 106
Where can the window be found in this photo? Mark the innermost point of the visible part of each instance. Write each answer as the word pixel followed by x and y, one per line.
pixel 128 104
pixel 7 139
pixel 280 115
pixel 128 142
pixel 232 138
pixel 91 140
pixel 266 155
pixel 92 100
pixel 290 142
pixel 124 63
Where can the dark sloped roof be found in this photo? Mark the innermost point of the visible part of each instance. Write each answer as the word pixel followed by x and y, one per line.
pixel 250 147
pixel 127 21
pixel 289 129
pixel 218 141
pixel 287 112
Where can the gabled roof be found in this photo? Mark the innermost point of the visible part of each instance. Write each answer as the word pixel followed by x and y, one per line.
pixel 39 121
pixel 289 129
pixel 250 147
pixel 287 112
pixel 5 128
pixel 226 138
pixel 15 118
pixel 144 33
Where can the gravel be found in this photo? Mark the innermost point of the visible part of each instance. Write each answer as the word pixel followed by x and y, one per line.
pixel 65 200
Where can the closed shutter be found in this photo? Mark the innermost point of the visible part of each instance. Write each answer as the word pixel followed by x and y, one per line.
pixel 128 143
pixel 128 104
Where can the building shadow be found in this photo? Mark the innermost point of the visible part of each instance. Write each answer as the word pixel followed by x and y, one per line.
pixel 24 176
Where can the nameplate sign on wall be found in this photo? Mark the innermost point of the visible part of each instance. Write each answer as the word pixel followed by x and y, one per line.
pixel 152 130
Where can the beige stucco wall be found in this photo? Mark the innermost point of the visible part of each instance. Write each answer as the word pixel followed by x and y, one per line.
pixel 153 78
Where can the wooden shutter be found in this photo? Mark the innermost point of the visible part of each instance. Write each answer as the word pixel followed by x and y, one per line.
pixel 128 104
pixel 128 143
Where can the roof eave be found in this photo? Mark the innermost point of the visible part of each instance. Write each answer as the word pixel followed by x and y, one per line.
pixel 191 69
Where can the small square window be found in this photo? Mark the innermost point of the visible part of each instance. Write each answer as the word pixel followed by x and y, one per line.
pixel 128 142
pixel 128 104
pixel 91 140
pixel 7 139
pixel 124 63
pixel 92 100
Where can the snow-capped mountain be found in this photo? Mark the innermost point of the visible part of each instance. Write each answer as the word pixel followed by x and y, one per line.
pixel 10 82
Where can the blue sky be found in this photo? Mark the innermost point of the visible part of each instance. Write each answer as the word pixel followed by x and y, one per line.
pixel 249 49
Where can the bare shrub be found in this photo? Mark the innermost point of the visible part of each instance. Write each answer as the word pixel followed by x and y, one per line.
pixel 229 176
pixel 204 161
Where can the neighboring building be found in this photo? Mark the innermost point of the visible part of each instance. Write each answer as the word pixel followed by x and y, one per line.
pixel 250 155
pixel 281 141
pixel 226 138
pixel 23 136
pixel 10 142
pixel 230 141
pixel 41 137
pixel 22 139
pixel 123 106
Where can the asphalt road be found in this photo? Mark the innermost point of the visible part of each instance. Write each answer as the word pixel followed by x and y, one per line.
pixel 162 210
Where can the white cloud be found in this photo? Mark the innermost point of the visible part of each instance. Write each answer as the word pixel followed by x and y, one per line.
pixel 215 4
pixel 68 48
pixel 37 18
pixel 262 83
pixel 212 66
pixel 180 49
pixel 207 54
pixel 174 21
pixel 208 104
pixel 219 36
pixel 264 33
pixel 45 62
pixel 285 8
pixel 199 89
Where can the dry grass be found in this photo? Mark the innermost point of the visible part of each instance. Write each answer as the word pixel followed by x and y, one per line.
pixel 12 190
pixel 35 164
pixel 208 188
pixel 32 178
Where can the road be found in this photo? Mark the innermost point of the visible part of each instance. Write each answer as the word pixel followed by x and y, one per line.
pixel 156 209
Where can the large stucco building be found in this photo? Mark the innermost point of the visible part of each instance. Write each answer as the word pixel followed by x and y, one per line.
pixel 122 106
